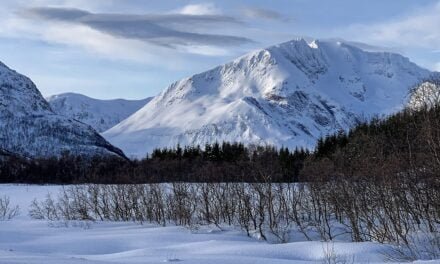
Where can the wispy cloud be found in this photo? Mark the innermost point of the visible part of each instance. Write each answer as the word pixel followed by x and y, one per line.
pixel 200 9
pixel 262 13
pixel 420 29
pixel 166 30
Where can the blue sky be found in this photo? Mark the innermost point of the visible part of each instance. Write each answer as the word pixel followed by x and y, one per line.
pixel 134 49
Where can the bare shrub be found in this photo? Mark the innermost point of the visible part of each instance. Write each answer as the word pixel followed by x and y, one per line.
pixel 45 210
pixel 421 246
pixel 330 256
pixel 7 211
pixel 382 211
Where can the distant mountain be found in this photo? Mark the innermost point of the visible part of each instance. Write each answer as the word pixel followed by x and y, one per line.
pixel 100 114
pixel 286 95
pixel 29 127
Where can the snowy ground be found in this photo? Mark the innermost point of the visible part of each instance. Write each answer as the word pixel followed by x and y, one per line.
pixel 23 240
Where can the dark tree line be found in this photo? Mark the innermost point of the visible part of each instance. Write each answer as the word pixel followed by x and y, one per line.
pixel 225 162
pixel 404 146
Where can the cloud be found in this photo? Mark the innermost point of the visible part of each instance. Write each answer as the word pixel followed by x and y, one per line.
pixel 262 13
pixel 437 67
pixel 364 46
pixel 166 30
pixel 69 37
pixel 199 9
pixel 420 29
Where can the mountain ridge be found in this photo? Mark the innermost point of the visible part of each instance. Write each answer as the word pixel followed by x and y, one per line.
pixel 29 127
pixel 98 113
pixel 285 95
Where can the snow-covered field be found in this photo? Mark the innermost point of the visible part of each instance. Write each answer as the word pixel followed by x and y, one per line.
pixel 23 240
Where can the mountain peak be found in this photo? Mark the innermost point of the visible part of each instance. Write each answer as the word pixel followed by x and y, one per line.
pixel 29 127
pixel 100 114
pixel 286 95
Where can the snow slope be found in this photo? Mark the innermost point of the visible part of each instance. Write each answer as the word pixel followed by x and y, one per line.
pixel 427 94
pixel 289 94
pixel 23 240
pixel 29 127
pixel 100 114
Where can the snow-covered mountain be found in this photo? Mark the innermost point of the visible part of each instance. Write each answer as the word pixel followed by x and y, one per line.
pixel 100 114
pixel 426 94
pixel 29 127
pixel 286 95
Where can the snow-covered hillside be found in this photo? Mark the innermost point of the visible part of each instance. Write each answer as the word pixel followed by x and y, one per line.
pixel 100 114
pixel 29 127
pixel 427 94
pixel 289 94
